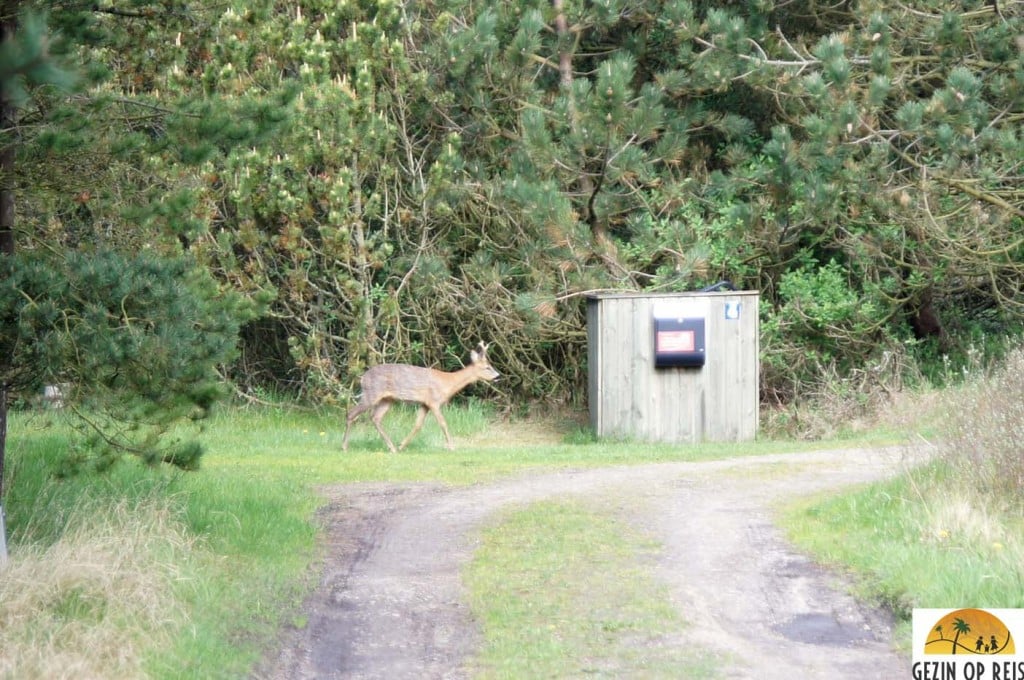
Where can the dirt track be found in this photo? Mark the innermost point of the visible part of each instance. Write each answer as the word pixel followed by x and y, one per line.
pixel 390 602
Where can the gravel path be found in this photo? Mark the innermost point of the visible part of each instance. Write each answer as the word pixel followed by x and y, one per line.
pixel 390 603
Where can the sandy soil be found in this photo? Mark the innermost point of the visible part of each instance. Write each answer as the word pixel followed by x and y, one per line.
pixel 390 603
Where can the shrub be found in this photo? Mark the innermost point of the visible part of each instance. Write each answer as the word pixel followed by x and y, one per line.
pixel 986 426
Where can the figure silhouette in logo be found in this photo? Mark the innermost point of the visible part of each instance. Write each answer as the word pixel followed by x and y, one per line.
pixel 977 647
pixel 994 645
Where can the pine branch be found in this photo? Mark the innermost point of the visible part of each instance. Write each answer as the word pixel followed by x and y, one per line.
pixel 960 185
pixel 145 13
pixel 802 63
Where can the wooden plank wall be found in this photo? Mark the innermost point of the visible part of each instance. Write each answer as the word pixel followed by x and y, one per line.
pixel 632 399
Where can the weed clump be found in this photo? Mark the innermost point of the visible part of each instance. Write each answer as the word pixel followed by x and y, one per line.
pixel 96 600
pixel 985 428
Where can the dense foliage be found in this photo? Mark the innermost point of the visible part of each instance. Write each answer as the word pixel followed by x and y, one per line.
pixel 96 298
pixel 398 180
pixel 131 342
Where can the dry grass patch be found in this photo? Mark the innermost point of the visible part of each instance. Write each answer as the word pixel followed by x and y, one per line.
pixel 985 431
pixel 98 600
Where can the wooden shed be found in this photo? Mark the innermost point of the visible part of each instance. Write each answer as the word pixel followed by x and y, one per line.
pixel 674 367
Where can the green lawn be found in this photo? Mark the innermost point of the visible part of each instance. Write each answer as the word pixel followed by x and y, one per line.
pixel 154 572
pixel 565 589
pixel 917 541
pixel 220 557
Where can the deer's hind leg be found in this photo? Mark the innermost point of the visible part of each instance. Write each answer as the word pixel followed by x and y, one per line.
pixel 378 414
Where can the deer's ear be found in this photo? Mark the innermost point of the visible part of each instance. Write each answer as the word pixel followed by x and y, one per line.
pixel 482 346
pixel 474 357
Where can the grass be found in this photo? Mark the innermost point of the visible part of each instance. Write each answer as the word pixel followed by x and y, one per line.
pixel 145 572
pixel 917 542
pixel 220 557
pixel 91 604
pixel 157 573
pixel 949 534
pixel 307 447
pixel 566 590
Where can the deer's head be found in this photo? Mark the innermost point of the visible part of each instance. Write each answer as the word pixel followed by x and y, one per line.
pixel 478 357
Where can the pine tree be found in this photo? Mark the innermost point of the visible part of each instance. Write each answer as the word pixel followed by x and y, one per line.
pixel 508 159
pixel 23 62
pixel 313 216
pixel 451 171
pixel 893 152
pixel 100 291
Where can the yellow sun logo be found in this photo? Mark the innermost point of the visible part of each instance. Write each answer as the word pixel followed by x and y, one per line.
pixel 969 631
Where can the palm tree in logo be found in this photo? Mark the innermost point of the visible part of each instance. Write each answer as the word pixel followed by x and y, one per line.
pixel 962 628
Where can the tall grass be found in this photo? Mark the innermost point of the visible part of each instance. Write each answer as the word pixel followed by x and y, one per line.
pixel 91 583
pixel 145 572
pixel 916 541
pixel 94 601
pixel 948 534
pixel 984 439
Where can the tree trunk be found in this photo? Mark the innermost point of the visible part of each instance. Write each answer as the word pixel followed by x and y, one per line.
pixel 3 448
pixel 3 437
pixel 586 186
pixel 7 120
pixel 7 123
pixel 6 181
pixel 369 327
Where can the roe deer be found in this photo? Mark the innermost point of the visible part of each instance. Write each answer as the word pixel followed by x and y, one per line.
pixel 385 384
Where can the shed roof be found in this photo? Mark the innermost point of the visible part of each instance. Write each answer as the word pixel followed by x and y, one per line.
pixel 695 293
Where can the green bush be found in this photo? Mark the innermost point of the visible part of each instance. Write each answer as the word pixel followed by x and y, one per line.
pixel 824 327
pixel 136 338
